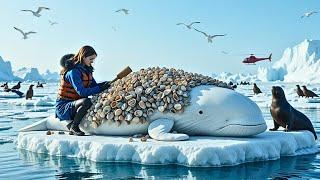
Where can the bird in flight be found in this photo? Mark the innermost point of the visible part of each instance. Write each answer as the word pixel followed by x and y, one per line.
pixel 114 28
pixel 125 11
pixel 210 37
pixel 25 34
pixel 224 52
pixel 189 26
pixel 52 23
pixel 37 13
pixel 308 14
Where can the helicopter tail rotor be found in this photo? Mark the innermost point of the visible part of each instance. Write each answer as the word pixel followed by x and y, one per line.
pixel 270 57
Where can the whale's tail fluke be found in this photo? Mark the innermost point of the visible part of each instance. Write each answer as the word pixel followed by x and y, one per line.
pixel 37 126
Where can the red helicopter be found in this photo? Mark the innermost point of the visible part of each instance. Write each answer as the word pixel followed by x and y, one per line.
pixel 252 59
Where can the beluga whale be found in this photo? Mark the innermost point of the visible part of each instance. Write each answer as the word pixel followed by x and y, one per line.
pixel 169 105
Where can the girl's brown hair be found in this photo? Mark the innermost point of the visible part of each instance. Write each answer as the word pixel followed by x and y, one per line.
pixel 69 60
pixel 83 52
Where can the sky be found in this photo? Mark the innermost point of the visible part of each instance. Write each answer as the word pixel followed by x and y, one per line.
pixel 148 35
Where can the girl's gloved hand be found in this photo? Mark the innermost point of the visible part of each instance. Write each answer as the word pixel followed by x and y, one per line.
pixel 104 85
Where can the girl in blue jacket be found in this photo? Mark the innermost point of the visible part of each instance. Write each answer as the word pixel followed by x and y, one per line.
pixel 76 84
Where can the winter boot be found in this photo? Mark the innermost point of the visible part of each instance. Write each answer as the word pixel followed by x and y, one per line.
pixel 69 127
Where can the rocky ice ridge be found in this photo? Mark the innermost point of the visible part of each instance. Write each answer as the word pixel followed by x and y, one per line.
pixel 24 74
pixel 6 71
pixel 31 74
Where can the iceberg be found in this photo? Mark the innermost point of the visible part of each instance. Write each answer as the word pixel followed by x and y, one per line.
pixel 31 74
pixel 203 151
pixel 300 63
pixel 50 76
pixel 6 73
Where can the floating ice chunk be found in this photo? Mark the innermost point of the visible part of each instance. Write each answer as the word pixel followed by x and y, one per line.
pixel 197 151
pixel 9 95
pixel 44 101
pixel 10 113
pixel 31 115
pixel 5 140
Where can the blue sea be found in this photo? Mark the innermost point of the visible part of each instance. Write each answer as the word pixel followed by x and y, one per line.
pixel 21 164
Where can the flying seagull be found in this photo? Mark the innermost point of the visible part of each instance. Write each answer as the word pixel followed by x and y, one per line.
pixel 52 23
pixel 210 37
pixel 37 13
pixel 188 26
pixel 307 14
pixel 25 35
pixel 224 52
pixel 125 11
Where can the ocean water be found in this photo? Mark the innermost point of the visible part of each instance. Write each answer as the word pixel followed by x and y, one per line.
pixel 21 164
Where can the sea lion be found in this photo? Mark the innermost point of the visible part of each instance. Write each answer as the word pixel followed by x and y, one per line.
pixel 307 93
pixel 299 91
pixel 286 116
pixel 29 92
pixel 256 90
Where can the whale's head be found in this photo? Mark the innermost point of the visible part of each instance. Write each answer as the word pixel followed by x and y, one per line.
pixel 220 112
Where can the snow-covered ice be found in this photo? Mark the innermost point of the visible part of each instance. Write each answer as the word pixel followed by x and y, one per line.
pixel 8 95
pixel 10 113
pixel 31 115
pixel 41 101
pixel 197 151
pixel 4 139
pixel 264 99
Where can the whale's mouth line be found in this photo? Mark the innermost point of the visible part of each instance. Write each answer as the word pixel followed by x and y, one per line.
pixel 240 125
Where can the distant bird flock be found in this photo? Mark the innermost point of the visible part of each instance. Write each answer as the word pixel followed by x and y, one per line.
pixel 36 14
pixel 124 11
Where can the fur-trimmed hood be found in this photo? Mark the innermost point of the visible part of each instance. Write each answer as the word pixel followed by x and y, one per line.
pixel 66 61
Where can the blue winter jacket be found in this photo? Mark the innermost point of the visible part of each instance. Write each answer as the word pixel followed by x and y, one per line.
pixel 65 107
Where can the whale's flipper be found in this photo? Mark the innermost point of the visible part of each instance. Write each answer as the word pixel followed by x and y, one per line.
pixel 160 128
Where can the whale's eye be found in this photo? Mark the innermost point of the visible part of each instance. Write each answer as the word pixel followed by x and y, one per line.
pixel 200 112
